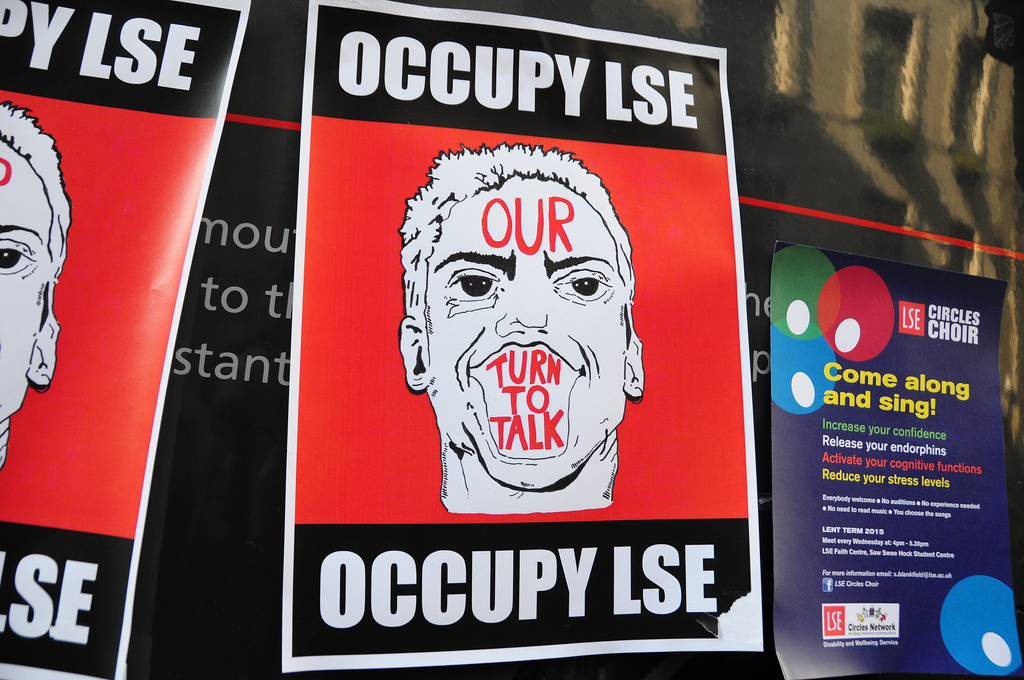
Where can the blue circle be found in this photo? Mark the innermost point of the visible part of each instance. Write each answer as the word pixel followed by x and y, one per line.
pixel 975 607
pixel 790 357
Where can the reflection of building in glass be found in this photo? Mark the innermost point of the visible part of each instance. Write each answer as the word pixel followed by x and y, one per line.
pixel 905 89
pixel 889 64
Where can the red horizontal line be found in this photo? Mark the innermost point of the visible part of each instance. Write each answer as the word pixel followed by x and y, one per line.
pixel 265 122
pixel 906 231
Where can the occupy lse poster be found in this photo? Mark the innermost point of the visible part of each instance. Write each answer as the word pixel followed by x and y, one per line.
pixel 109 114
pixel 520 424
pixel 891 537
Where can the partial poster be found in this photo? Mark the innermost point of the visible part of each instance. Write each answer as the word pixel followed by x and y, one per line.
pixel 520 421
pixel 109 112
pixel 891 537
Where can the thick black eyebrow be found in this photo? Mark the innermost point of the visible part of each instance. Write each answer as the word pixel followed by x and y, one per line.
pixel 551 267
pixel 6 228
pixel 506 265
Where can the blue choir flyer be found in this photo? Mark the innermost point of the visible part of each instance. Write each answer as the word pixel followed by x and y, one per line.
pixel 888 481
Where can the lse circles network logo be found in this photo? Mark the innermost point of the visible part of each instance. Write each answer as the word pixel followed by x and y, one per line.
pixel 860 620
pixel 820 314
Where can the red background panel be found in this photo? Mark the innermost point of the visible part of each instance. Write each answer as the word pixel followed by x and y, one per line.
pixel 77 453
pixel 368 449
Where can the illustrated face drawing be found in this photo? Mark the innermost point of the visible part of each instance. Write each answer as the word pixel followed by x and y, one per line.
pixel 34 217
pixel 519 327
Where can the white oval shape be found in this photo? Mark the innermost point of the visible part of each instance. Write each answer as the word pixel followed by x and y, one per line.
pixel 803 389
pixel 798 317
pixel 996 649
pixel 847 335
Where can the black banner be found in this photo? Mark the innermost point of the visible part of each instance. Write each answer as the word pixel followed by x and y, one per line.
pixel 62 597
pixel 368 67
pixel 528 583
pixel 160 57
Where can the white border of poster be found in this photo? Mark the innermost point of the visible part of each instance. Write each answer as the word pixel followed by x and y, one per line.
pixel 746 613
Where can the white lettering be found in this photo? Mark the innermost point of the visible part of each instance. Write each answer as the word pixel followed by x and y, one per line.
pixel 572 81
pixel 32 619
pixel 536 72
pixel 577 576
pixel 176 54
pixel 95 45
pixel 359 66
pixel 622 599
pixel 444 86
pixel 142 68
pixel 697 577
pixel 401 53
pixel 436 611
pixel 45 32
pixel 72 601
pixel 13 17
pixel 538 571
pixel 652 109
pixel 668 596
pixel 614 110
pixel 493 78
pixel 481 589
pixel 342 589
pixel 392 568
pixel 681 99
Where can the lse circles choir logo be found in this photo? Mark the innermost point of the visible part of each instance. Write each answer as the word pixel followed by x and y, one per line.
pixel 939 322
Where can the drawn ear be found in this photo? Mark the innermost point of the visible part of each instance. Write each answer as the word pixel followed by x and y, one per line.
pixel 412 344
pixel 633 383
pixel 44 355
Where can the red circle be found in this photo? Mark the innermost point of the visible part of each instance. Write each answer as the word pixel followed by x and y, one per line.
pixel 857 293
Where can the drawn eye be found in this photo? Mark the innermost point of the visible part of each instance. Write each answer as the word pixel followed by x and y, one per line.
pixel 471 290
pixel 583 286
pixel 587 287
pixel 9 258
pixel 476 286
pixel 14 259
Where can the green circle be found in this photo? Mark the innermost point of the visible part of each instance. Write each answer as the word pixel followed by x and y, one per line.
pixel 798 275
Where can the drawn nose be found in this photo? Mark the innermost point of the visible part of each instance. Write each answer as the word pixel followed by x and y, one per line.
pixel 521 321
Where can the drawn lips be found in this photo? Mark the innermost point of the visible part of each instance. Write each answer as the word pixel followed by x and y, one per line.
pixel 526 392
